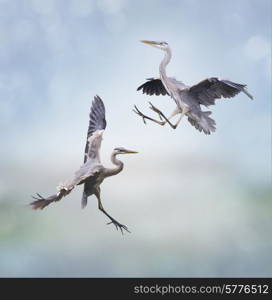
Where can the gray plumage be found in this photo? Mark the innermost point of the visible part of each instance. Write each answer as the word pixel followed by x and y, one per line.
pixel 97 120
pixel 188 99
pixel 92 172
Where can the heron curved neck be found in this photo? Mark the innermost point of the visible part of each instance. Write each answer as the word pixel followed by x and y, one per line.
pixel 119 166
pixel 165 62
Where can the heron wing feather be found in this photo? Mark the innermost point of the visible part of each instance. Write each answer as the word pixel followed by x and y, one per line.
pixel 153 86
pixel 97 124
pixel 210 89
pixel 86 173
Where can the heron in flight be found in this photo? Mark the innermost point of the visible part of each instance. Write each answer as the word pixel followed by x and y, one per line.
pixel 92 172
pixel 188 98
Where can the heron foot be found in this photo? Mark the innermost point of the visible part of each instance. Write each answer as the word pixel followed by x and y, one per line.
pixel 138 112
pixel 118 226
pixel 156 110
pixel 162 116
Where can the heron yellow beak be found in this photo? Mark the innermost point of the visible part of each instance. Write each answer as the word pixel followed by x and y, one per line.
pixel 152 43
pixel 131 152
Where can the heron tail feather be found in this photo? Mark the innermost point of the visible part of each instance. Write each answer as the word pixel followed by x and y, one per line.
pixel 203 122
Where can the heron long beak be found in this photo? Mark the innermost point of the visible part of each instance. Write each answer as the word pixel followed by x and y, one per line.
pixel 131 152
pixel 152 43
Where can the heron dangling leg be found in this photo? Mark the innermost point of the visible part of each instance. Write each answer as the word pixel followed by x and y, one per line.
pixel 182 114
pixel 175 112
pixel 136 110
pixel 113 221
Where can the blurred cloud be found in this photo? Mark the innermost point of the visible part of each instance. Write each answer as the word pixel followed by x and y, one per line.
pixel 115 24
pixel 111 6
pixel 234 21
pixel 23 31
pixel 257 48
pixel 81 8
pixel 45 8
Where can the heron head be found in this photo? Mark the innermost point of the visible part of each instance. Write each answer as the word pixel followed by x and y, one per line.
pixel 122 150
pixel 160 45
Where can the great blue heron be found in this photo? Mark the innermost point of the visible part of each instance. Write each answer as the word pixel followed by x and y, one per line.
pixel 188 98
pixel 92 172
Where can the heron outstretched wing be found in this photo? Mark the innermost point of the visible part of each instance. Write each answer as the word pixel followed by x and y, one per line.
pixel 97 124
pixel 210 89
pixel 85 173
pixel 153 86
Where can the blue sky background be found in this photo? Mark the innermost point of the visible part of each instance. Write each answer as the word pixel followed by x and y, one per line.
pixel 196 205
